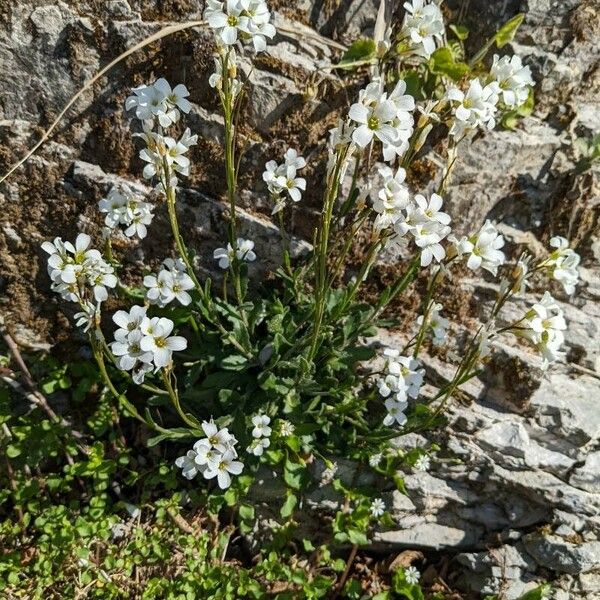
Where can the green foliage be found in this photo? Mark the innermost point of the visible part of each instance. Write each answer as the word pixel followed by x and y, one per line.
pixel 443 62
pixel 507 32
pixel 587 151
pixel 361 52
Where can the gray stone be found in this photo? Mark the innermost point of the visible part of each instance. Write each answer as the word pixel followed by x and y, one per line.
pixel 587 477
pixel 553 552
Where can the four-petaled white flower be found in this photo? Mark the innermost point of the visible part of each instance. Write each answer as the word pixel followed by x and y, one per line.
pixel 514 79
pixel 125 208
pixel 159 101
pixel 246 20
pixel 261 426
pixel 391 199
pixel 377 507
pixel 395 414
pixel 158 341
pixel 171 283
pixel 222 467
pixel 245 252
pixel 483 248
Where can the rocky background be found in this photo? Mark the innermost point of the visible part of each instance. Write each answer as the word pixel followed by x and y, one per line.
pixel 514 496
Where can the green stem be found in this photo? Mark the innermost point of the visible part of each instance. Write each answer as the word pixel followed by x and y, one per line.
pixel 175 399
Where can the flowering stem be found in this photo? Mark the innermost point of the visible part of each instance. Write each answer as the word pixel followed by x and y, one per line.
pixel 322 243
pixel 98 355
pixel 428 304
pixel 175 399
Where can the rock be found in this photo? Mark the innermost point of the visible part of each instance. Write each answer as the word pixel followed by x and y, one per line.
pixel 587 476
pixel 553 552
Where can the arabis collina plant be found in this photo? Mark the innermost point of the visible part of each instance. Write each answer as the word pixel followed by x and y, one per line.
pixel 288 367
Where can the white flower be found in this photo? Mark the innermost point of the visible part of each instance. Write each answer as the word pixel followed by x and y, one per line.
pixel 124 208
pixel 171 283
pixel 129 321
pixel 128 351
pixel 428 236
pixel 377 507
pixel 437 324
pixel 285 428
pixel 219 439
pixel 86 319
pixel 391 199
pixel 563 264
pixel 187 464
pixel 222 467
pixel 375 459
pixel 76 270
pixel 513 79
pixel 283 178
pixel 407 368
pixel 387 118
pixel 395 414
pixel 412 575
pixel 543 325
pixel 240 19
pixel 245 252
pixel 157 340
pixel 483 249
pixel 159 101
pixel 261 426
pixel 258 446
pixel 423 27
pixel 475 108
pixel 422 463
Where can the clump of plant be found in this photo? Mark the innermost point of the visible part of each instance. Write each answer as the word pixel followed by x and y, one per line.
pixel 280 373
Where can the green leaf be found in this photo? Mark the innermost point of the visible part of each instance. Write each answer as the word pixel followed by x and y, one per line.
pixel 538 593
pixel 506 33
pixel 293 474
pixel 442 62
pixel 288 506
pixel 361 52
pixel 246 512
pixel 460 31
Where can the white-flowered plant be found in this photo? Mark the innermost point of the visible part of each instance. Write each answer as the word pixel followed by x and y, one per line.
pixel 412 575
pixel 281 362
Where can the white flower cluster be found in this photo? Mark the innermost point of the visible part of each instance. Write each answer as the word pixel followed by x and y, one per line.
pixel 563 264
pixel 483 249
pixel 125 208
pixel 261 433
pixel 423 27
pixel 474 108
pixel 513 79
pixel 244 251
pixel 171 283
pixel 392 198
pixel 142 343
pixel 402 379
pixel 213 456
pixel 159 102
pixel 75 268
pixel 164 154
pixel 423 219
pixel 387 118
pixel 436 323
pixel 282 179
pixel 543 326
pixel 244 20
